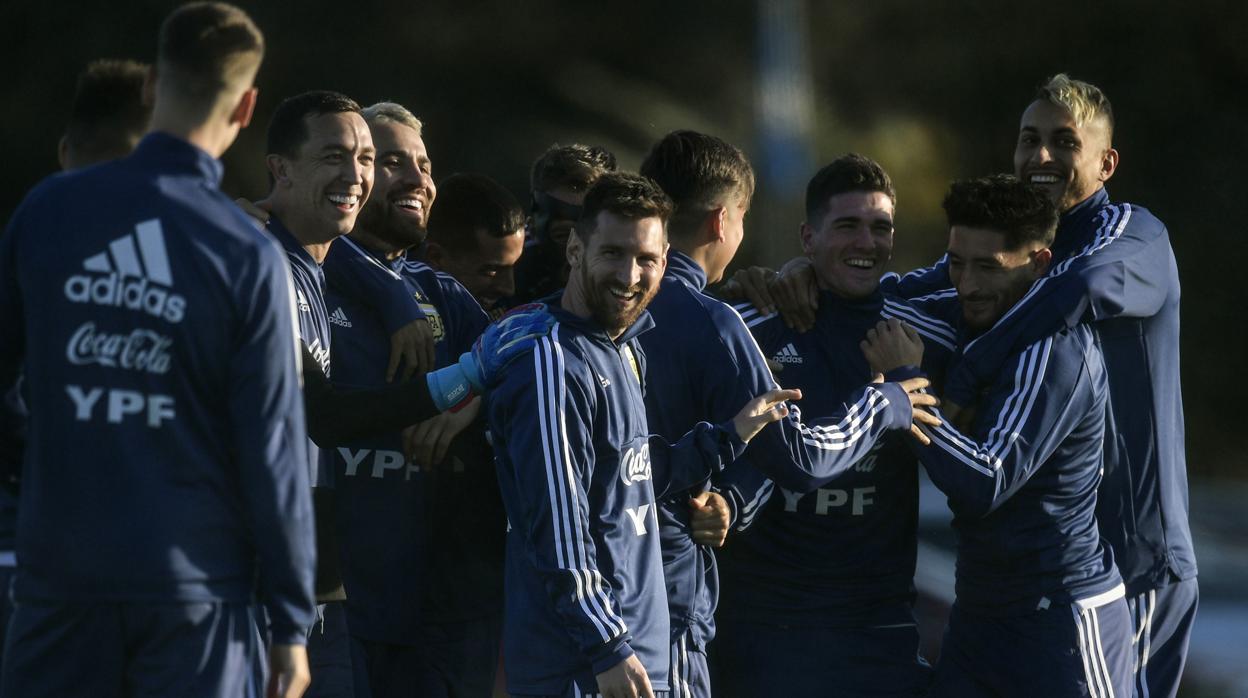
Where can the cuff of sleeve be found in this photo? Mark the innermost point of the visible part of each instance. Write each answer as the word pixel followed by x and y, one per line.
pixel 288 634
pixel 449 388
pixel 898 412
pixel 610 654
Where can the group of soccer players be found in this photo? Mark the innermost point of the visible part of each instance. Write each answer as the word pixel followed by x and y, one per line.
pixel 289 428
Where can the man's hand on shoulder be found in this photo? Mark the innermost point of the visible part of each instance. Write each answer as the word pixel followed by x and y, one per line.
pixel 628 679
pixel 793 291
pixel 892 344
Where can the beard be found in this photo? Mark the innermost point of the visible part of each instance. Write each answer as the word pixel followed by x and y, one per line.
pixel 380 219
pixel 606 309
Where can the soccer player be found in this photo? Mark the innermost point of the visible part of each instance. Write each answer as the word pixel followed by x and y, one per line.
pixel 1114 268
pixel 558 182
pixel 321 161
pixel 476 234
pixel 702 360
pixel 108 116
pixel 165 482
pixel 1039 608
pixel 586 610
pixel 422 557
pixel 818 593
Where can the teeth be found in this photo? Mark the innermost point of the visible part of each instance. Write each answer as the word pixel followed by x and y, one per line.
pixel 1043 179
pixel 344 199
pixel 861 263
pixel 410 203
pixel 625 295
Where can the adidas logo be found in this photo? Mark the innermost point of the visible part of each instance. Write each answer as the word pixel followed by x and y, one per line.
pixel 787 355
pixel 302 301
pixel 339 318
pixel 134 274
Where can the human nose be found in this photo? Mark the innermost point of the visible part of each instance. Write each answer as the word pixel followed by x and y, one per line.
pixel 628 273
pixel 505 283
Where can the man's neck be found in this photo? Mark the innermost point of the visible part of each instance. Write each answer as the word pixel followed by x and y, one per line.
pixel 317 246
pixel 375 244
pixel 208 138
pixel 700 254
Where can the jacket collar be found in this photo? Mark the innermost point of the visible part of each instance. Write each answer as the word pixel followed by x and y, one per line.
pixel 681 267
pixel 171 152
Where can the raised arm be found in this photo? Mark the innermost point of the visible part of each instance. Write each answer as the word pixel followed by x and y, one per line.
pixel 1043 395
pixel 1128 270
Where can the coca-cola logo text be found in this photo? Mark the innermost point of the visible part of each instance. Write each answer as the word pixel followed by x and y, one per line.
pixel 137 350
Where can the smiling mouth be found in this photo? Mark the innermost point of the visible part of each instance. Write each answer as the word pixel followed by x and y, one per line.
pixel 624 295
pixel 1043 178
pixel 860 263
pixel 411 205
pixel 344 202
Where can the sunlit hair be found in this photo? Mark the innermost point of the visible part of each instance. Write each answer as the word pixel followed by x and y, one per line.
pixel 851 172
pixel 574 167
pixel 288 129
pixel 629 196
pixel 392 113
pixel 208 49
pixel 698 171
pixel 1022 212
pixel 1083 100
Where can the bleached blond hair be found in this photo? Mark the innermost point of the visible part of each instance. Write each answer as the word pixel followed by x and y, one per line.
pixel 391 112
pixel 1083 100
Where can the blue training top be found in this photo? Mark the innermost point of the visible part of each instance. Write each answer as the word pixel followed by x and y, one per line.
pixel 167 452
pixel 1113 267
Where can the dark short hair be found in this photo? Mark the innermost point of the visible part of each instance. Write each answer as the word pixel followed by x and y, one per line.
pixel 573 167
pixel 697 170
pixel 468 203
pixel 207 47
pixel 629 196
pixel 288 129
pixel 1022 212
pixel 851 172
pixel 108 113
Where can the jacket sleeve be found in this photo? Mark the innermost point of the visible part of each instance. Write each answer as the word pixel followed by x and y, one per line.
pixel 1040 398
pixel 1128 270
pixel 339 414
pixel 920 282
pixel 360 277
pixel 543 414
pixel 804 455
pixel 270 444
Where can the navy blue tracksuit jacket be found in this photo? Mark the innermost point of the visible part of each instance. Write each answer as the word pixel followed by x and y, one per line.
pixel 584 576
pixel 844 554
pixel 1113 267
pixel 166 454
pixel 704 365
pixel 420 544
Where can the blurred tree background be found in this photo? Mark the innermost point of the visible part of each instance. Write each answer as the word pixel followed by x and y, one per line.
pixel 933 90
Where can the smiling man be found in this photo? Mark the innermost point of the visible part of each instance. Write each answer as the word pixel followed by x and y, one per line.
pixel 1039 607
pixel 586 610
pixel 818 593
pixel 1113 267
pixel 422 537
